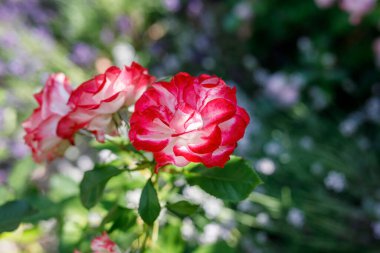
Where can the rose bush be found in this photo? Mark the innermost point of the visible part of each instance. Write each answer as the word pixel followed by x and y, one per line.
pixel 41 127
pixel 95 101
pixel 189 119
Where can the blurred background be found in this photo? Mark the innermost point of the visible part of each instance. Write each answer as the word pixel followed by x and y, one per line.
pixel 308 72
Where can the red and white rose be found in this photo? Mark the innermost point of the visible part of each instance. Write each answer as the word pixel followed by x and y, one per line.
pixel 103 244
pixel 95 101
pixel 41 127
pixel 189 119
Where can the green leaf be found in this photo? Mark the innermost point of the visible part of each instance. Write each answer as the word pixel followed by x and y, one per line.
pixel 122 219
pixel 94 182
pixel 149 207
pixel 234 182
pixel 13 213
pixel 182 208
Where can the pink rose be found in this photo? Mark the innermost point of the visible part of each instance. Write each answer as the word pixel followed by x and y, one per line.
pixel 189 119
pixel 103 244
pixel 41 127
pixel 324 3
pixel 95 101
pixel 357 9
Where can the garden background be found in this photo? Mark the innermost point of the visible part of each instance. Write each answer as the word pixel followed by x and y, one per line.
pixel 307 73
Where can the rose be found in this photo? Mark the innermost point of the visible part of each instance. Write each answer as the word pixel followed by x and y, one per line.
pixel 103 244
pixel 95 101
pixel 189 119
pixel 41 127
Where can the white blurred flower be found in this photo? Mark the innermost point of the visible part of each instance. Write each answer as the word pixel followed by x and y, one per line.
pixel 180 182
pixel 376 230
pixel 133 198
pixel 245 206
pixel 296 217
pixel 372 109
pixel 188 230
pixel 85 163
pixel 124 54
pixel 72 153
pixel 335 181
pixel 66 168
pixel 243 10
pixel 212 232
pixel 263 219
pixel 9 246
pixel 94 219
pixel 266 166
pixel 106 156
pixel 213 207
pixel 194 194
pixel 350 125
pixel 283 89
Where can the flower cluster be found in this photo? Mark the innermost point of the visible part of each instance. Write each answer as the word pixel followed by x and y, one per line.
pixel 188 119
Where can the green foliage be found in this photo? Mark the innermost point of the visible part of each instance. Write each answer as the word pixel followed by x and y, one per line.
pixel 149 205
pixel 121 218
pixel 234 182
pixel 13 213
pixel 182 208
pixel 94 182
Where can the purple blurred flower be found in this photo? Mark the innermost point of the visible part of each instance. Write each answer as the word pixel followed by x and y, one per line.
pixel 284 89
pixel 172 5
pixel 17 66
pixel 124 24
pixel 335 181
pixel 351 124
pixel 195 7
pixel 107 36
pixel 3 176
pixel 45 36
pixel 83 54
pixel 373 109
pixel 19 149
pixel 243 11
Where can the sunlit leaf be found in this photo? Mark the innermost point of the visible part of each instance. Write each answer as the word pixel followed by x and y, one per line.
pixel 234 182
pixel 182 208
pixel 94 182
